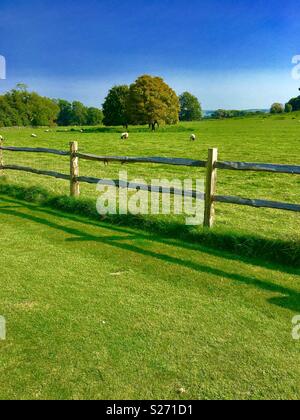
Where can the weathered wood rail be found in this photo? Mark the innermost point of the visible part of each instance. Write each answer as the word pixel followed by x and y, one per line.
pixel 211 165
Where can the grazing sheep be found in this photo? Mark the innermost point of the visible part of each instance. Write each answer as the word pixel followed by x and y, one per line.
pixel 33 135
pixel 1 138
pixel 47 131
pixel 124 136
pixel 193 137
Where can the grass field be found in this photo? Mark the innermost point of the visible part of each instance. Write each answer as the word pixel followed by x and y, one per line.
pixel 96 310
pixel 271 140
pixel 99 311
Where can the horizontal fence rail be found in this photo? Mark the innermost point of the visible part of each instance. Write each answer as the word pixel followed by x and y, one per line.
pixel 211 165
pixel 35 150
pixel 259 167
pixel 257 203
pixel 142 187
pixel 52 174
pixel 153 160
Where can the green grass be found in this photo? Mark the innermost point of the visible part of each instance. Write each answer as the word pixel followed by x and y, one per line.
pixel 272 250
pixel 176 315
pixel 270 140
pixel 139 308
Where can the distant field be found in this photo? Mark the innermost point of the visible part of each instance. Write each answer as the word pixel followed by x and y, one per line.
pixel 270 140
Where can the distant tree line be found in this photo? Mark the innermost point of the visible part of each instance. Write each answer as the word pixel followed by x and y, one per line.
pixel 149 100
pixel 75 113
pixel 22 108
pixel 224 113
pixel 291 106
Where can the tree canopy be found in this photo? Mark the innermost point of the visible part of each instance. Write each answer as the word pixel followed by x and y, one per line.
pixel 295 103
pixel 151 101
pixel 115 107
pixel 94 116
pixel 277 108
pixel 288 108
pixel 190 107
pixel 75 113
pixel 232 113
pixel 21 108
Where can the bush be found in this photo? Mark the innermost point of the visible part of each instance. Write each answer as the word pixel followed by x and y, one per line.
pixel 277 108
pixel 288 108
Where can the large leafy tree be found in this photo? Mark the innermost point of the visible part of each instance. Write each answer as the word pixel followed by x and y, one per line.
pixel 115 106
pixel 190 107
pixel 152 101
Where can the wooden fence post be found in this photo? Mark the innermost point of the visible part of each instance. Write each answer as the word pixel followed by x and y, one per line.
pixel 1 157
pixel 74 170
pixel 210 189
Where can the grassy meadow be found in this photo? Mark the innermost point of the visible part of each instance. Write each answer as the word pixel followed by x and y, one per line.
pixel 100 310
pixel 268 140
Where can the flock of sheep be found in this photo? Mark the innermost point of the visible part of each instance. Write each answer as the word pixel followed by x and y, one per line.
pixel 124 136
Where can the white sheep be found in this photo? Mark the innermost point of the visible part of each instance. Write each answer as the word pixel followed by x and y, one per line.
pixel 124 136
pixel 33 135
pixel 193 137
pixel 1 138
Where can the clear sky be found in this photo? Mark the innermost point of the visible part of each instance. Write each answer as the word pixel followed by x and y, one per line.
pixel 230 53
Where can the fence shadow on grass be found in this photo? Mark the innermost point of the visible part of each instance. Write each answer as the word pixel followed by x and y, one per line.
pixel 282 253
pixel 289 299
pixel 160 237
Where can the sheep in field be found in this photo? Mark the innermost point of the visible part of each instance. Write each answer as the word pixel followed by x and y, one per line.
pixel 1 138
pixel 193 137
pixel 124 136
pixel 33 135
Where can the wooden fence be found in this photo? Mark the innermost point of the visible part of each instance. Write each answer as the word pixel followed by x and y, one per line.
pixel 211 165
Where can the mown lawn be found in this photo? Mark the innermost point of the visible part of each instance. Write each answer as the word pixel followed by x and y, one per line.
pixel 269 140
pixel 99 311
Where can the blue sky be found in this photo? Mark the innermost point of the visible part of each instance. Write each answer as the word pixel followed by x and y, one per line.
pixel 230 53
